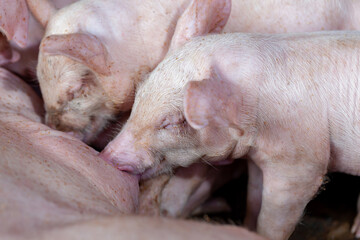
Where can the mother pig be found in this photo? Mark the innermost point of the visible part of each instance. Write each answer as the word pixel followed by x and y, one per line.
pixel 95 52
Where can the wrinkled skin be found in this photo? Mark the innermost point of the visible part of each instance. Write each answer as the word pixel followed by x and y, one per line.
pixel 128 41
pixel 48 178
pixel 236 95
pixel 135 227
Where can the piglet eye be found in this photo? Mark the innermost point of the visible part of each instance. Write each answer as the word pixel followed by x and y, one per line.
pixel 173 125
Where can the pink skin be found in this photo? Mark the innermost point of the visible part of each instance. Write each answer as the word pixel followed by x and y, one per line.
pixel 50 178
pixel 150 228
pixel 241 95
pixel 134 40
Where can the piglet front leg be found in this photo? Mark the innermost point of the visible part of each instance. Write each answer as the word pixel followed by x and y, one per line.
pixel 292 174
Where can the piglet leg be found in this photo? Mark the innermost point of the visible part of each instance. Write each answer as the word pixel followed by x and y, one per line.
pixel 285 195
pixel 253 201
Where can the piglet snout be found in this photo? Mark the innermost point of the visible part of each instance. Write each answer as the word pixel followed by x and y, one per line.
pixel 122 161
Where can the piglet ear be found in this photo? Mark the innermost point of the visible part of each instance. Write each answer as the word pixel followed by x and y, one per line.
pixel 42 10
pixel 14 20
pixel 200 18
pixel 196 104
pixel 7 54
pixel 81 47
pixel 212 101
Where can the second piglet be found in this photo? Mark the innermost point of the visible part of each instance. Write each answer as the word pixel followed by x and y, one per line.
pixel 288 103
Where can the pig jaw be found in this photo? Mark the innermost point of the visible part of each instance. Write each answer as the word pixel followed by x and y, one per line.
pixel 74 100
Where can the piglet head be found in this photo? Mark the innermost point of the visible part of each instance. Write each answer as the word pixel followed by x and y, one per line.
pixel 165 130
pixel 68 71
pixel 151 141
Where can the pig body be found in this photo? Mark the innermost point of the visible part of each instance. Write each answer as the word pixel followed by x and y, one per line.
pixel 48 178
pixel 286 102
pixel 135 227
pixel 122 40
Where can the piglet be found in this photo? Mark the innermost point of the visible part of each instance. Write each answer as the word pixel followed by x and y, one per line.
pixel 288 103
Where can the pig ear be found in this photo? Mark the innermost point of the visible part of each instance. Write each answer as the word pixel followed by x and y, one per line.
pixel 42 10
pixel 196 104
pixel 81 47
pixel 7 54
pixel 14 20
pixel 200 18
pixel 210 101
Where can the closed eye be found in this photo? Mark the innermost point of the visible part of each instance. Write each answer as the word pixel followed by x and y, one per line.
pixel 173 126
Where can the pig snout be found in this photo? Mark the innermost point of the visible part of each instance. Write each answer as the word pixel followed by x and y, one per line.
pixel 123 155
pixel 123 161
